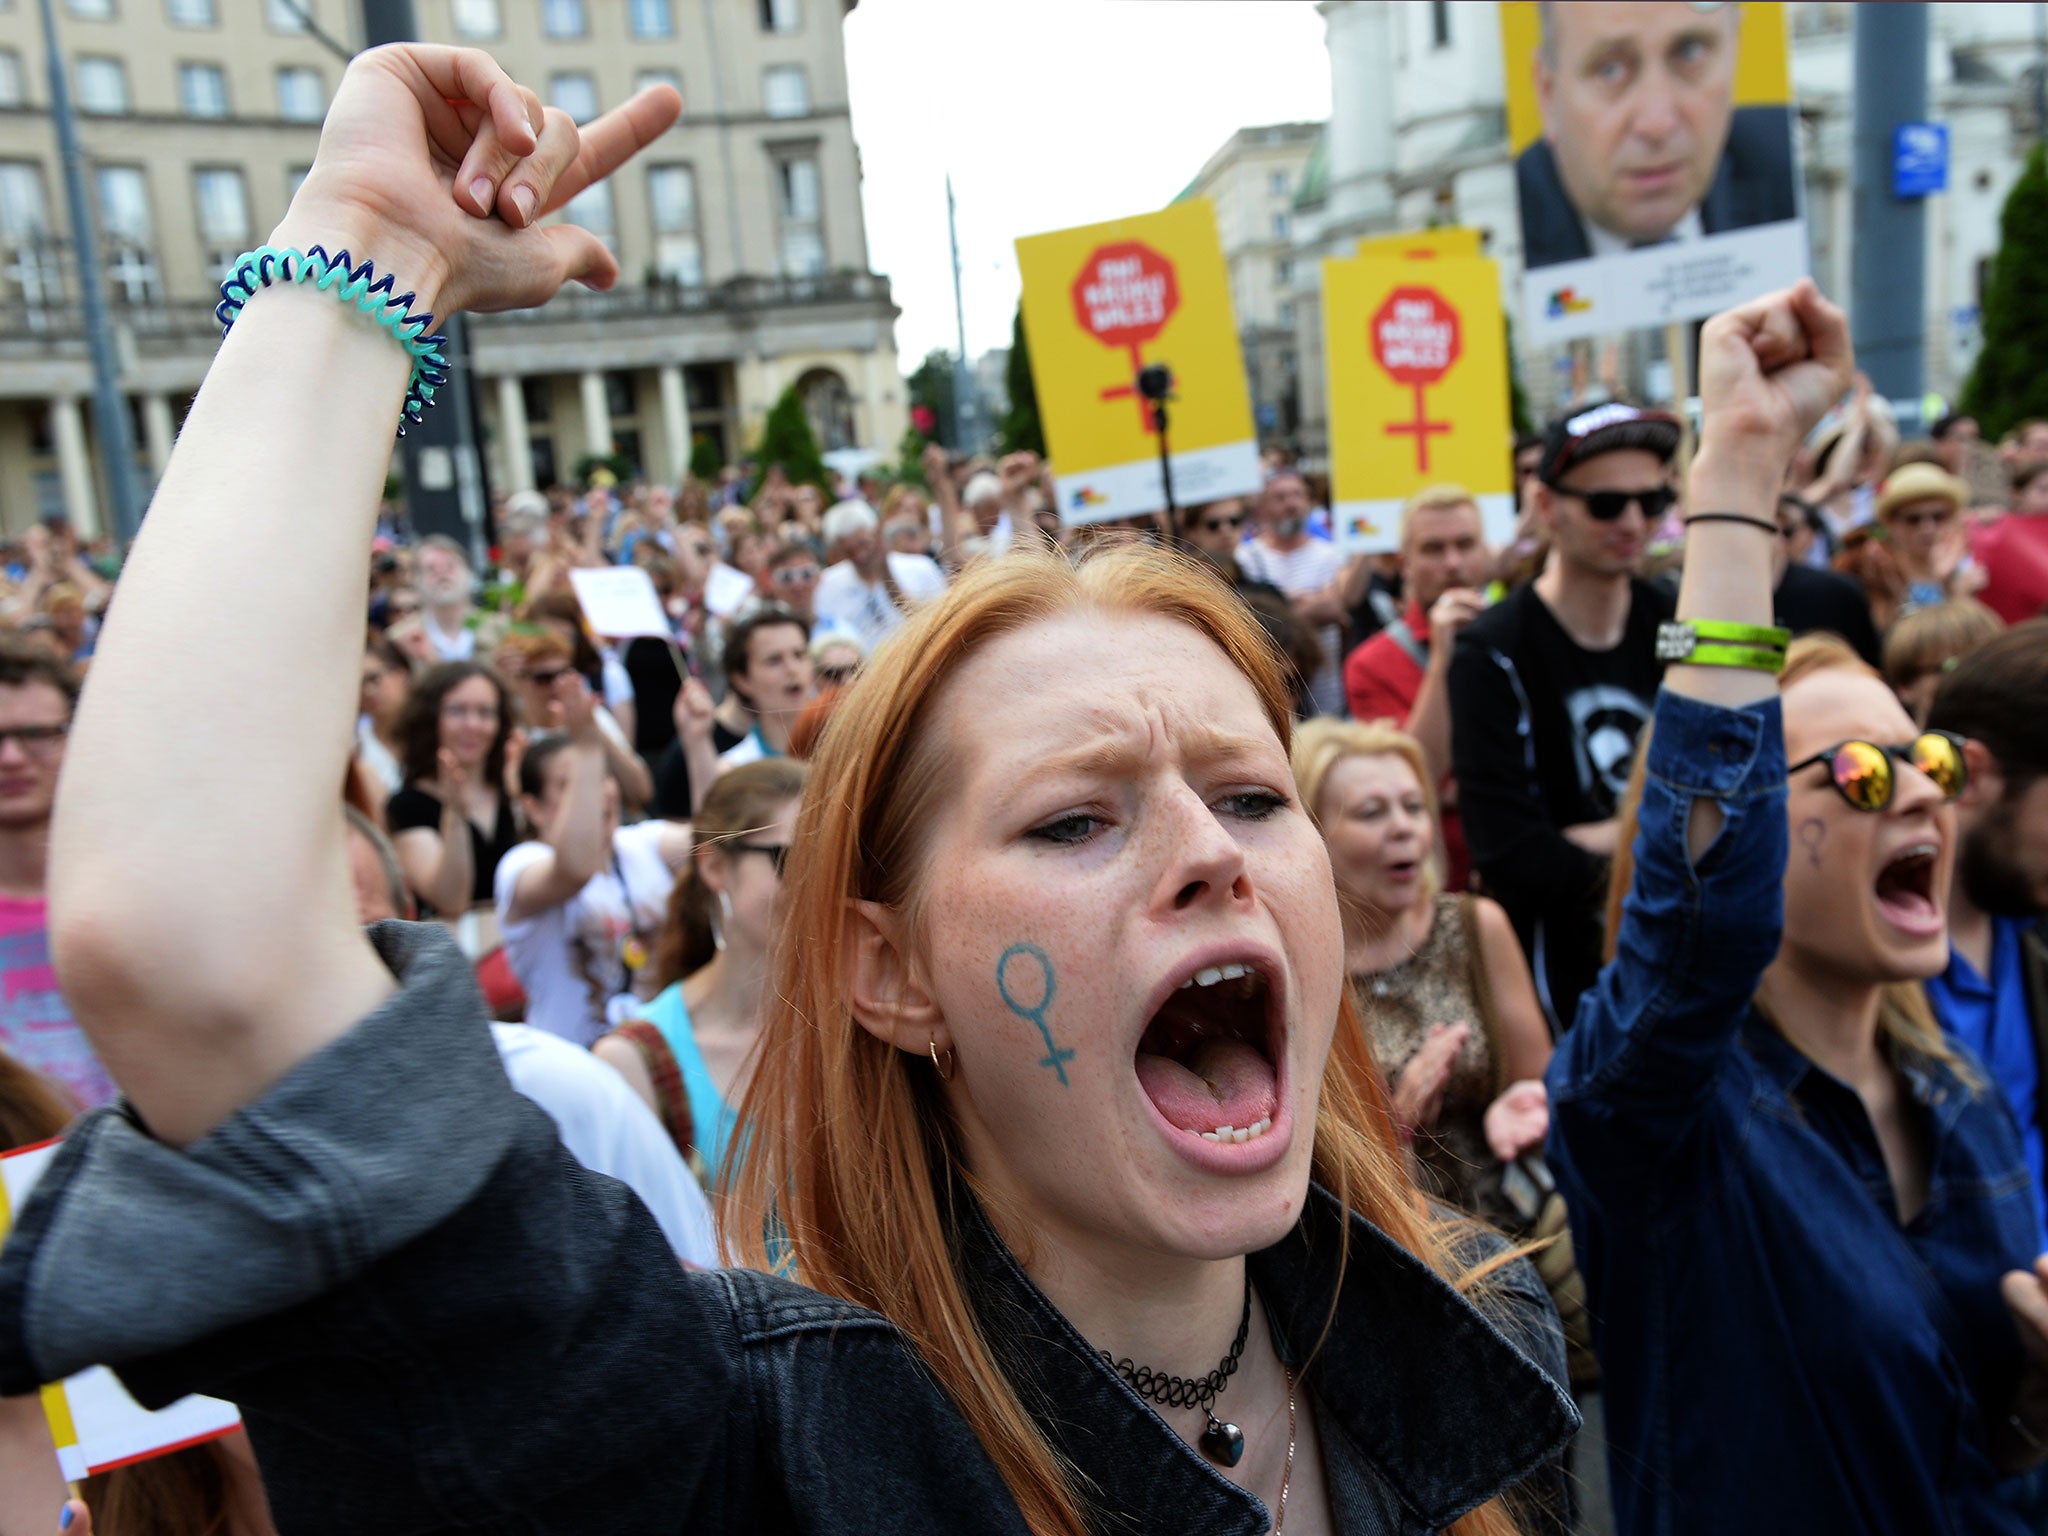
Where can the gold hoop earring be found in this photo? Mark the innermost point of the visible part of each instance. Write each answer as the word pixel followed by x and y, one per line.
pixel 945 1072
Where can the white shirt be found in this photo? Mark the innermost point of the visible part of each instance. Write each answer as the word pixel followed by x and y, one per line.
pixel 460 646
pixel 1605 242
pixel 749 749
pixel 376 757
pixel 556 953
pixel 846 601
pixel 609 1130
pixel 1298 572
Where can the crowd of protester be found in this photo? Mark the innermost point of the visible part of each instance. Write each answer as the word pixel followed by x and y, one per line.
pixel 1430 887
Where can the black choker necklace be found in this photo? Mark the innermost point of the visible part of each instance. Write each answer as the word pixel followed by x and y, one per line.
pixel 1221 1442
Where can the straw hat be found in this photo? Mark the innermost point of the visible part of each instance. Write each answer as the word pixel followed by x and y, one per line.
pixel 1920 482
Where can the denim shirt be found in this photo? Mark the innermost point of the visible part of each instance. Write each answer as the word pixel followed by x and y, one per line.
pixel 435 1320
pixel 1779 1352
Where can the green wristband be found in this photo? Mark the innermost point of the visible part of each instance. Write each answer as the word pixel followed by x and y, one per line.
pixel 1714 643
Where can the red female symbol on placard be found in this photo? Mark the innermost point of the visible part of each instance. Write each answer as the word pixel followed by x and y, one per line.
pixel 1415 338
pixel 1123 297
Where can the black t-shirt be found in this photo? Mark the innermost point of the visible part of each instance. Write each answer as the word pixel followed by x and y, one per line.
pixel 414 807
pixel 655 686
pixel 1382 606
pixel 1809 599
pixel 672 774
pixel 1543 736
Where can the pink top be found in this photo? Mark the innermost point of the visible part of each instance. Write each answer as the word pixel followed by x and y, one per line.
pixel 36 1026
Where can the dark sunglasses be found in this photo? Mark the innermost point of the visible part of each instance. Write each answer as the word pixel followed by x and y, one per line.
pixel 1218 524
pixel 35 740
pixel 1862 772
pixel 1606 506
pixel 1922 519
pixel 831 675
pixel 795 575
pixel 548 677
pixel 779 852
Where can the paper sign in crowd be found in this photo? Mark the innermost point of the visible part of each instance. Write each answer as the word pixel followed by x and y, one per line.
pixel 95 1424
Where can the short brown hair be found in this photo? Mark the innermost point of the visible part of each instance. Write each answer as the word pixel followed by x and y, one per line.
pixel 22 663
pixel 1994 696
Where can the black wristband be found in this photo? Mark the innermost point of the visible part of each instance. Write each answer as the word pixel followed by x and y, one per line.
pixel 1735 517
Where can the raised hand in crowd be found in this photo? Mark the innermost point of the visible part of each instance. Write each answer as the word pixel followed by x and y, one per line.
pixel 1419 1086
pixel 1517 1120
pixel 1458 607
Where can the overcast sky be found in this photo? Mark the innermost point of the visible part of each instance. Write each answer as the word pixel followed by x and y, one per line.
pixel 1049 113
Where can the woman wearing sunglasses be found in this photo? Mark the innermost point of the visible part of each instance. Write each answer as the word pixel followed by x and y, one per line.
pixel 1804 1222
pixel 1040 959
pixel 690 1053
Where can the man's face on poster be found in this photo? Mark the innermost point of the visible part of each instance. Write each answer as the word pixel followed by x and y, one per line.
pixel 1636 97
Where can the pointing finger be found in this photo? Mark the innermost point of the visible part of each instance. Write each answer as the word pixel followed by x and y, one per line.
pixel 608 142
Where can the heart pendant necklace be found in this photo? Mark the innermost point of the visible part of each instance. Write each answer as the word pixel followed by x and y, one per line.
pixel 1222 1442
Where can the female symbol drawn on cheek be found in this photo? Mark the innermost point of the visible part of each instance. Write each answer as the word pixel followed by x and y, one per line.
pixel 1055 1057
pixel 1813 836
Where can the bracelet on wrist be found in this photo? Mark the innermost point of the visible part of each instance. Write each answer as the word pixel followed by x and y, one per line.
pixel 1734 517
pixel 1716 643
pixel 360 286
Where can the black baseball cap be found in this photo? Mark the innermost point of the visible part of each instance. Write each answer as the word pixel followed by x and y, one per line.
pixel 1599 429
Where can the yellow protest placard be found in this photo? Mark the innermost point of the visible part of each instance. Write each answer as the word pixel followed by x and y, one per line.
pixel 1417 361
pixel 1100 303
pixel 1439 240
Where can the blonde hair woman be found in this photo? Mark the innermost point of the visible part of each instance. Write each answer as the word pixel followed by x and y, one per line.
pixel 1056 920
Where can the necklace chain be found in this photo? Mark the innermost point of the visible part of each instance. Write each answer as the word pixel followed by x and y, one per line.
pixel 1186 1391
pixel 1287 1472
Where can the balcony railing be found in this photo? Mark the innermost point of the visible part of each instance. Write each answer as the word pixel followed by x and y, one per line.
pixel 58 327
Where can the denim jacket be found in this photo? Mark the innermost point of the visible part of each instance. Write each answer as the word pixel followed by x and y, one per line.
pixel 434 1319
pixel 1780 1353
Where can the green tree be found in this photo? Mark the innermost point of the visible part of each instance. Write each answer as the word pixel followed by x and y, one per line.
pixel 1019 431
pixel 931 386
pixel 2009 384
pixel 705 460
pixel 787 439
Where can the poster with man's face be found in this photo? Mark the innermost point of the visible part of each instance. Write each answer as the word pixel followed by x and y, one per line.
pixel 1653 159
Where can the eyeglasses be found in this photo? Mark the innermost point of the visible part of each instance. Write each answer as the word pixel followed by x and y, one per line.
pixel 1220 524
pixel 795 575
pixel 779 852
pixel 35 740
pixel 1606 506
pixel 1862 772
pixel 487 712
pixel 547 677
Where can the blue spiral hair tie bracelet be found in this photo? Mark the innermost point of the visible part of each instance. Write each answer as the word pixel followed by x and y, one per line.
pixel 264 265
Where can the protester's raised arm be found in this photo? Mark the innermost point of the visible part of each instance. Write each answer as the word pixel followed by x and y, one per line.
pixel 204 931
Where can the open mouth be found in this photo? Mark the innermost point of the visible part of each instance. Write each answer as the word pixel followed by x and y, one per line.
pixel 1208 1060
pixel 1404 869
pixel 1905 888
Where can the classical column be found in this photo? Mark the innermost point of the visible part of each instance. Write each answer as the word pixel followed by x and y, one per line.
pixel 74 466
pixel 158 432
pixel 675 423
pixel 515 445
pixel 597 416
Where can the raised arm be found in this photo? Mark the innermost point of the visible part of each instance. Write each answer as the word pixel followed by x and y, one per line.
pixel 575 833
pixel 1702 918
pixel 205 932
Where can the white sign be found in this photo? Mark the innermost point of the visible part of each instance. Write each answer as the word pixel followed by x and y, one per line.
pixel 726 591
pixel 95 1424
pixel 620 600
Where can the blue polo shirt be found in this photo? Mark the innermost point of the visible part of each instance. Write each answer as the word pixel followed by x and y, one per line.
pixel 1989 1015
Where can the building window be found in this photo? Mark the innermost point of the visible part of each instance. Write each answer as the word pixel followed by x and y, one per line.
pixel 223 202
pixel 191 13
pixel 1284 273
pixel 102 86
pixel 1287 312
pixel 203 89
pixel 563 18
pixel 592 209
pixel 288 15
pixel 91 10
pixel 650 18
pixel 1439 24
pixel 648 77
pixel 620 397
pixel 782 15
pixel 300 96
pixel 803 235
pixel 12 93
pixel 1281 225
pixel 295 178
pixel 786 91
pixel 29 259
pixel 478 18
pixel 575 94
pixel 1277 183
pixel 539 395
pixel 130 236
pixel 678 250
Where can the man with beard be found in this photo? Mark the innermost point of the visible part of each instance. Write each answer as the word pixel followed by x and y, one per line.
pixel 37 695
pixel 447 596
pixel 1994 995
pixel 1284 554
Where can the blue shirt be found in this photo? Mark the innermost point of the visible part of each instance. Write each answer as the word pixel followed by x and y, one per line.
pixel 1779 1352
pixel 1990 1017
pixel 713 1117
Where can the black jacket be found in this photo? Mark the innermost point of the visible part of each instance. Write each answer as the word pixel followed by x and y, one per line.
pixel 434 1320
pixel 1753 185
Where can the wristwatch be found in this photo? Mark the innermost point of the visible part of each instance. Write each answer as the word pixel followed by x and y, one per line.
pixel 1713 643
